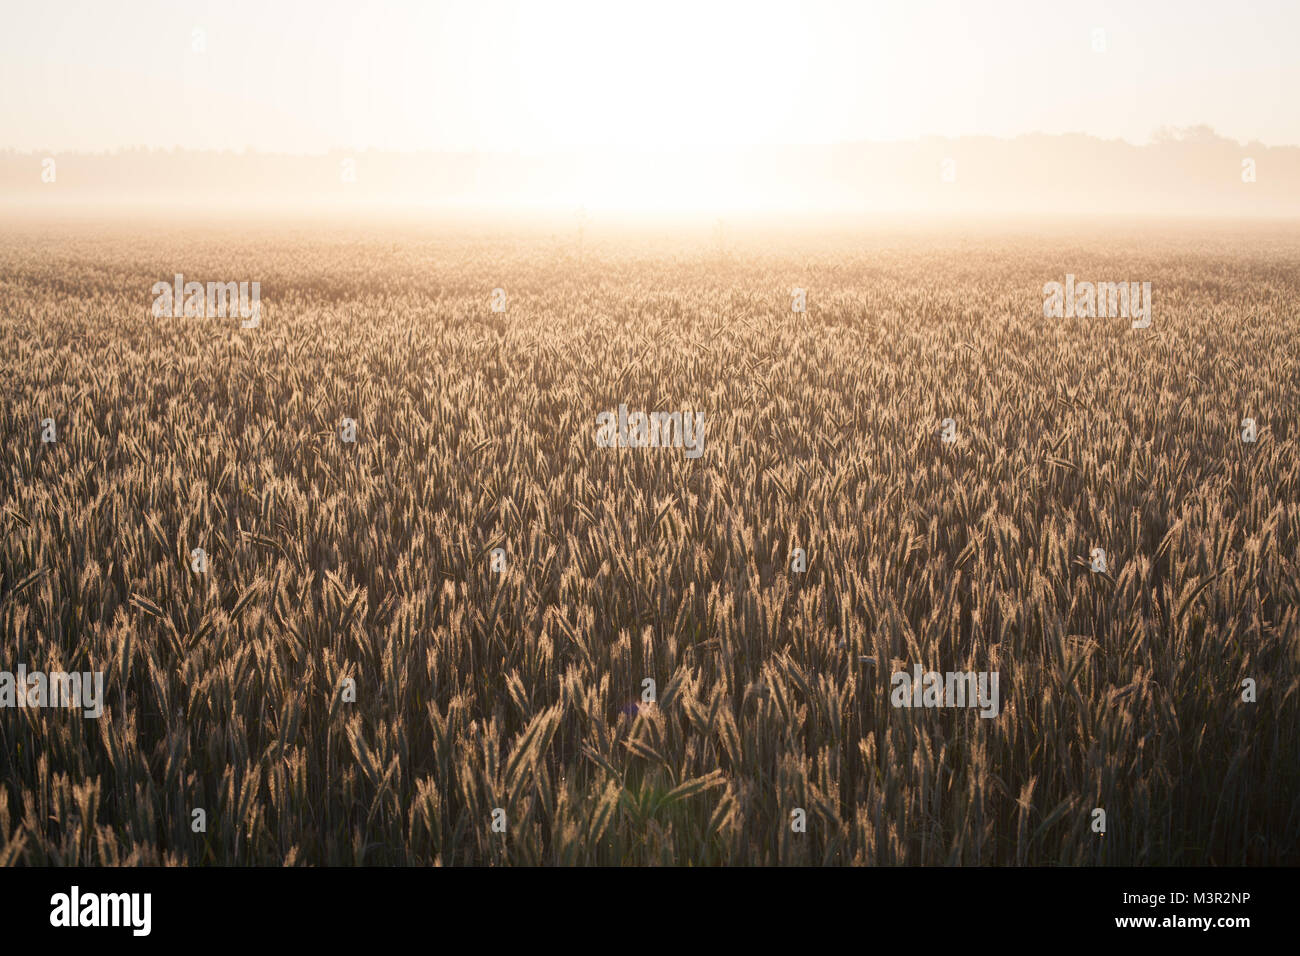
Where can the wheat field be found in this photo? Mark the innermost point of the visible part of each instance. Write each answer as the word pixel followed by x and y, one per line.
pixel 498 713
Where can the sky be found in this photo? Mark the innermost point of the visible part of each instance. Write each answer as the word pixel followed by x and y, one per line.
pixel 527 75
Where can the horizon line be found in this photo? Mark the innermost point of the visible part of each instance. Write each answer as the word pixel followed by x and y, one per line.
pixel 1213 137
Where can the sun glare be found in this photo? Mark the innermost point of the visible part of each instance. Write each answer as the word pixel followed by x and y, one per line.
pixel 660 76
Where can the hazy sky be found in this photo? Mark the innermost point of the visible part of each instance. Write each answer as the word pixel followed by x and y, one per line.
pixel 310 75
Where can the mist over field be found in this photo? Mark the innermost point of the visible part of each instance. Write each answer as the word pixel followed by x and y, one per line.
pixel 1185 173
pixel 717 433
